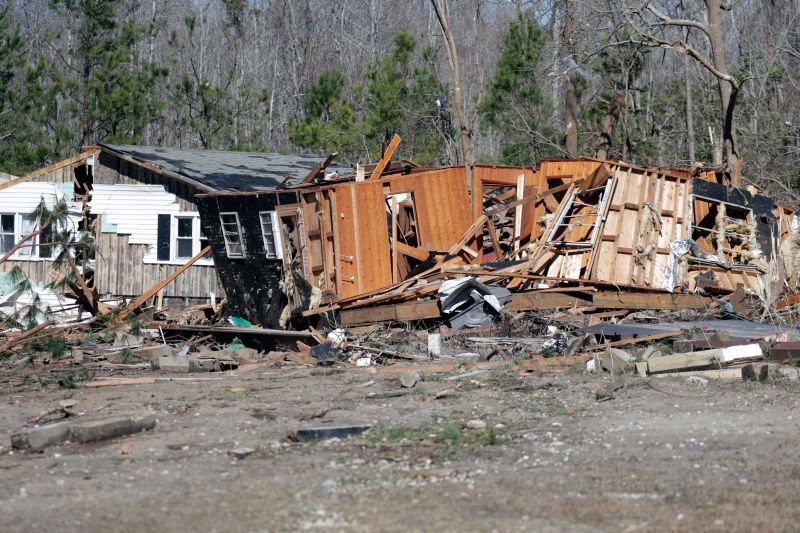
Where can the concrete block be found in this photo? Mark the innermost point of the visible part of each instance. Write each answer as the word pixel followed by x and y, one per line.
pixel 152 352
pixel 40 437
pixel 110 428
pixel 171 363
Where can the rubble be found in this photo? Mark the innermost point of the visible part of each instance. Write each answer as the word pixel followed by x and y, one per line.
pixel 583 263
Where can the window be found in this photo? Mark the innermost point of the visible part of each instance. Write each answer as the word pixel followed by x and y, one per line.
pixel 232 233
pixel 27 226
pixel 179 238
pixel 14 227
pixel 184 241
pixel 7 232
pixel 271 233
pixel 203 243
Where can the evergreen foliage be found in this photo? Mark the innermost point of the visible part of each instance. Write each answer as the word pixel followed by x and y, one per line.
pixel 515 107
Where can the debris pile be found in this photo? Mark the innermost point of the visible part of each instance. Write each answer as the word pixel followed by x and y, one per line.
pixel 576 262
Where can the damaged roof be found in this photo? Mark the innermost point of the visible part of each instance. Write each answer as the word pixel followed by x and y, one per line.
pixel 217 170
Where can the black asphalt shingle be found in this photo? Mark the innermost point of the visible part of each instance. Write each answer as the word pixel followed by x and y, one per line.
pixel 221 170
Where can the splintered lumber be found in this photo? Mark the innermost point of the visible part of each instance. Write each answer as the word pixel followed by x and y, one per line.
pixel 528 301
pixel 704 358
pixel 402 312
pixel 161 284
pixel 538 362
pixel 320 167
pixel 468 235
pixel 387 156
pixel 388 353
pixel 90 294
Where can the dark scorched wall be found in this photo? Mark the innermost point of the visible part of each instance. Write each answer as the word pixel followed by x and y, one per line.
pixel 251 283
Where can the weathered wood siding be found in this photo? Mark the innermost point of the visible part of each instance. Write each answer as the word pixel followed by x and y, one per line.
pixel 121 272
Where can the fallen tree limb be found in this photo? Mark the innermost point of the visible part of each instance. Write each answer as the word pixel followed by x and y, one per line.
pixel 19 339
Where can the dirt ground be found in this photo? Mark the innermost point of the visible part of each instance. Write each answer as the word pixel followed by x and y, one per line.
pixel 662 454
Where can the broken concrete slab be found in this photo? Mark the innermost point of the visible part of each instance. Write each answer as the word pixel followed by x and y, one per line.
pixel 79 430
pixel 614 360
pixel 109 428
pixel 148 353
pixel 40 437
pixel 171 363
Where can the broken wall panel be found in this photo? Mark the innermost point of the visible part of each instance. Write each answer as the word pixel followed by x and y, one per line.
pixel 441 205
pixel 363 236
pixel 761 206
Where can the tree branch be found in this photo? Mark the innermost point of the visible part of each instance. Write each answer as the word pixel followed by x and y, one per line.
pixel 668 21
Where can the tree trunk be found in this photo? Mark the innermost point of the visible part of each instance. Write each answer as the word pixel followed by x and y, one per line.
pixel 609 125
pixel 465 132
pixel 727 91
pixel 570 80
pixel 689 111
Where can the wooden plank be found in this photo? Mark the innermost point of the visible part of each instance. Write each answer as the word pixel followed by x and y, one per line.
pixel 387 156
pixel 527 301
pixel 320 167
pixel 704 358
pixel 493 236
pixel 119 381
pixel 518 211
pixel 50 168
pixel 641 300
pixel 416 253
pixel 395 256
pixel 403 312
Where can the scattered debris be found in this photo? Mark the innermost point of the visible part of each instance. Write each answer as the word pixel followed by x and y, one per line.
pixel 334 432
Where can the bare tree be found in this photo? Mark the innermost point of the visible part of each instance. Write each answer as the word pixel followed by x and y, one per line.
pixel 652 24
pixel 466 126
pixel 570 78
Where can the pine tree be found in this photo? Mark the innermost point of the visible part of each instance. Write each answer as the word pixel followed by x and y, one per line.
pixel 401 98
pixel 29 137
pixel 111 91
pixel 515 107
pixel 329 124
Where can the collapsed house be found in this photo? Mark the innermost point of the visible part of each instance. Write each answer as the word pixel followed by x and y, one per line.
pixel 137 206
pixel 606 233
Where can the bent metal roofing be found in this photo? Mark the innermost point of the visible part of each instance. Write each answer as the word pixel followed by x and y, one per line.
pixel 217 170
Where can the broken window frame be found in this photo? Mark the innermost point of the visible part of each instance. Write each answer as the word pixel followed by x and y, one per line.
pixel 599 215
pixel 274 234
pixel 234 250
